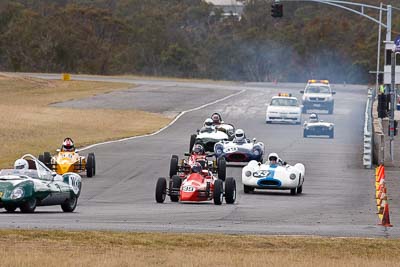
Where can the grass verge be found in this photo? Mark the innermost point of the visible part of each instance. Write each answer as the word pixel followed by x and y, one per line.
pixel 75 248
pixel 30 125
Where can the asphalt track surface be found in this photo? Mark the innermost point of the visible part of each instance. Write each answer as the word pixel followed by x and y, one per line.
pixel 338 194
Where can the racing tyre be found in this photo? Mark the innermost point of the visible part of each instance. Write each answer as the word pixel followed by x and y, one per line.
pixel 300 189
pixel 221 168
pixel 70 204
pixel 41 158
pixel 305 135
pixel 176 185
pixel 192 141
pixel 47 159
pixel 218 194
pixel 94 164
pixel 293 191
pixel 230 190
pixel 173 166
pixel 28 206
pixel 248 189
pixel 90 165
pixel 10 208
pixel 331 134
pixel 161 190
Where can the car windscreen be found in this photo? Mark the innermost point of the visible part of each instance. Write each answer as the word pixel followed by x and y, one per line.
pixel 290 102
pixel 30 173
pixel 318 89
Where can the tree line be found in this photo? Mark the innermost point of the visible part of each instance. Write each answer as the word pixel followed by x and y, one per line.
pixel 187 38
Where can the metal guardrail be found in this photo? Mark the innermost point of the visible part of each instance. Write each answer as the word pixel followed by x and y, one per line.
pixel 368 135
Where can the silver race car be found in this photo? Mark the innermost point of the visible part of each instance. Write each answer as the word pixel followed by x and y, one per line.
pixel 316 127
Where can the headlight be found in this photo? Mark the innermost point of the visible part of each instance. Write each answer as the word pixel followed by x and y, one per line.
pixel 247 173
pixel 17 193
pixel 218 151
pixel 292 176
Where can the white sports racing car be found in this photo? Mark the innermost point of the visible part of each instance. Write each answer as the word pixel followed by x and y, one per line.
pixel 265 176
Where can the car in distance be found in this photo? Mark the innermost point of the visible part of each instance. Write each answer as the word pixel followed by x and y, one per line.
pixel 316 127
pixel 284 108
pixel 318 95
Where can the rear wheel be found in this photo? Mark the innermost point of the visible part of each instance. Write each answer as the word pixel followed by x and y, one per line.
pixel 218 193
pixel 41 158
pixel 90 165
pixel 94 164
pixel 161 190
pixel 247 189
pixel 28 206
pixel 221 169
pixel 70 204
pixel 173 166
pixel 230 190
pixel 300 189
pixel 331 134
pixel 192 141
pixel 176 185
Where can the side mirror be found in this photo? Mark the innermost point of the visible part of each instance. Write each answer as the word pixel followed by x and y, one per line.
pixel 302 92
pixel 58 150
pixel 198 131
pixel 254 140
pixel 333 93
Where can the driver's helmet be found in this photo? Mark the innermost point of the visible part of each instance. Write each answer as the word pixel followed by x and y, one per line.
pixel 208 123
pixel 21 164
pixel 196 168
pixel 273 157
pixel 239 135
pixel 68 145
pixel 198 149
pixel 216 118
pixel 313 117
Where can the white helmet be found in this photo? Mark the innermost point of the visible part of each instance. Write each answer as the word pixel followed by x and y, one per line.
pixel 273 156
pixel 21 164
pixel 239 134
pixel 208 123
pixel 313 117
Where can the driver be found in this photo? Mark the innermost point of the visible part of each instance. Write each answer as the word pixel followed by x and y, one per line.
pixel 216 118
pixel 240 136
pixel 68 145
pixel 198 149
pixel 274 160
pixel 313 118
pixel 196 168
pixel 21 164
pixel 208 126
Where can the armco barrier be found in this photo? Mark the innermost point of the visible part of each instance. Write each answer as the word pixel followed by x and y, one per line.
pixel 368 136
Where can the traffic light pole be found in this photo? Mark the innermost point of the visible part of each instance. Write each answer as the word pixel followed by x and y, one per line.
pixel 392 104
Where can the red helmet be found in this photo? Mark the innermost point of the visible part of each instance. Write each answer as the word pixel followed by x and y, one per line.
pixel 68 145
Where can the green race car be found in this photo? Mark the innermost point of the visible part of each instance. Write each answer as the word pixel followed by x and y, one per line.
pixel 36 185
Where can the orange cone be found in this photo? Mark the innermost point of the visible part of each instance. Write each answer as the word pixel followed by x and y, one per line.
pixel 386 218
pixel 381 172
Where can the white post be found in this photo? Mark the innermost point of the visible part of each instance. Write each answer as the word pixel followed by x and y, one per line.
pixel 379 51
pixel 389 24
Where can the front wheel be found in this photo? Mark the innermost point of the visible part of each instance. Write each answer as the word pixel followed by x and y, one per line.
pixel 70 204
pixel 293 191
pixel 331 135
pixel 305 135
pixel 230 190
pixel 300 189
pixel 161 190
pixel 175 186
pixel 47 159
pixel 192 141
pixel 10 207
pixel 28 206
pixel 247 189
pixel 90 165
pixel 218 194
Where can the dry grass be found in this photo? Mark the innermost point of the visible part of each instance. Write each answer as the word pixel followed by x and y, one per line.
pixel 62 248
pixel 29 125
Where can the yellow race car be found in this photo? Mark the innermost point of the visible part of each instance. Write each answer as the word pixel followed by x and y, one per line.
pixel 69 161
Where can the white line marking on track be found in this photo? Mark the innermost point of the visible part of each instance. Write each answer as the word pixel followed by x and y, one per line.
pixel 168 125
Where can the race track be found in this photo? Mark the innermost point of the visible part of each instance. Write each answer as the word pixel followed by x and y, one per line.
pixel 338 196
